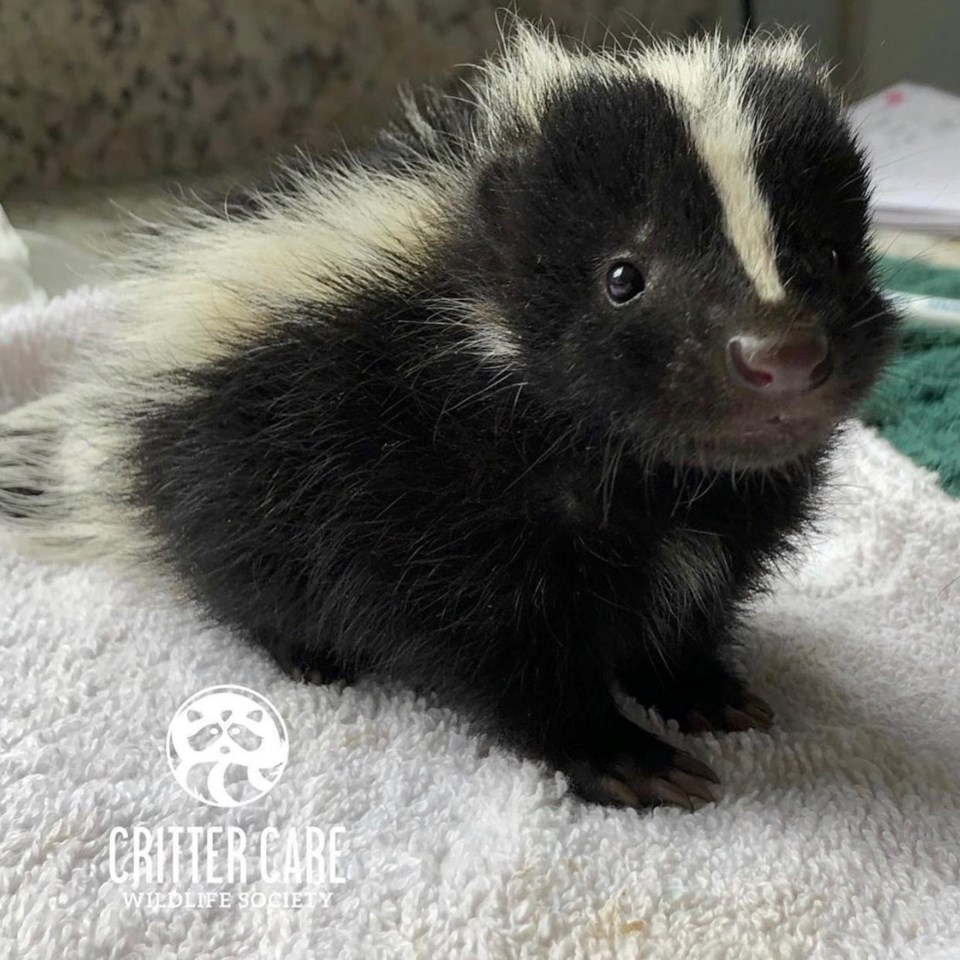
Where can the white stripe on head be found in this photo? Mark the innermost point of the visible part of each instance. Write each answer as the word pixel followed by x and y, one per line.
pixel 705 79
pixel 707 85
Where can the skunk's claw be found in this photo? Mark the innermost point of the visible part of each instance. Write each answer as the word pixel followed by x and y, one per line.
pixel 660 776
pixel 716 701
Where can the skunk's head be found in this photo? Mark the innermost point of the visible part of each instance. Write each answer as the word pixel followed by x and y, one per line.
pixel 672 244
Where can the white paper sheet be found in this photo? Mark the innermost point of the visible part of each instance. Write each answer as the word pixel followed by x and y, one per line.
pixel 912 137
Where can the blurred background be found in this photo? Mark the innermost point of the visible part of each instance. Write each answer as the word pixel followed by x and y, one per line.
pixel 874 43
pixel 109 106
pixel 99 90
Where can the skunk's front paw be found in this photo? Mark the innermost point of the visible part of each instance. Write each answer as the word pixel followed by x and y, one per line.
pixel 713 700
pixel 629 767
pixel 746 712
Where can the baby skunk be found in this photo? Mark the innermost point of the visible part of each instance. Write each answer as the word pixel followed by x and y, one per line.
pixel 518 407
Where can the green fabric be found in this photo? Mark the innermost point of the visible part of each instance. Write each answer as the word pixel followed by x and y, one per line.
pixel 916 404
pixel 914 276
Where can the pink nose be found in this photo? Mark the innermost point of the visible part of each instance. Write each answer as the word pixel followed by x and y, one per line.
pixel 780 366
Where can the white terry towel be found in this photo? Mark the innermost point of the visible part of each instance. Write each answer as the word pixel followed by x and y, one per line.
pixel 835 836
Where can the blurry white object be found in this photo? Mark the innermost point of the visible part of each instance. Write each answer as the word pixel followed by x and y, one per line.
pixel 35 266
pixel 922 309
pixel 16 284
pixel 38 339
pixel 912 137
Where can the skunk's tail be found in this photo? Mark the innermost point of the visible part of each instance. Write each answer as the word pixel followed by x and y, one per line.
pixel 57 498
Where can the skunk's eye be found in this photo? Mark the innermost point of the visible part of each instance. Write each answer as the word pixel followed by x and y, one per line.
pixel 624 282
pixel 828 261
pixel 838 261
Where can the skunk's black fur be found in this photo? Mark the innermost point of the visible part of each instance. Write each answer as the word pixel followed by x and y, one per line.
pixel 439 453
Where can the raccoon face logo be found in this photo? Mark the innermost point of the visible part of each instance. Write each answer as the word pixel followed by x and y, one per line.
pixel 227 746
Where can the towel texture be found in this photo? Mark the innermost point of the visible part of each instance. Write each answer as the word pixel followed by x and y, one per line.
pixel 835 836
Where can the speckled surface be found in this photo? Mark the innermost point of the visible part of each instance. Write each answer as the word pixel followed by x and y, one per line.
pixel 101 89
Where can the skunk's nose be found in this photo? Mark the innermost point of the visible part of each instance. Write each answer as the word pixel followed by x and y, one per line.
pixel 780 366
